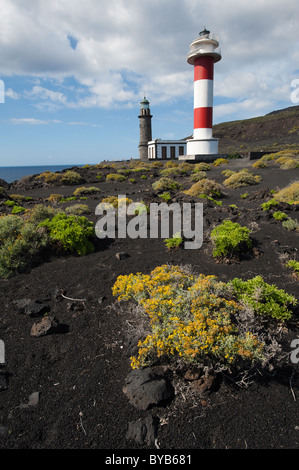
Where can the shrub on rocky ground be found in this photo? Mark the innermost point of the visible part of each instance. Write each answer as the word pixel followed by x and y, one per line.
pixel 165 184
pixel 205 186
pixel 115 177
pixel 290 194
pixel 230 239
pixel 242 178
pixel 83 191
pixel 198 320
pixel 72 233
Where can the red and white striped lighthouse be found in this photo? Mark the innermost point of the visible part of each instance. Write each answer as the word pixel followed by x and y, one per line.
pixel 204 52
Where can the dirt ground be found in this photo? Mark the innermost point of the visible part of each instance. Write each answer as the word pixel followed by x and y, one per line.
pixel 78 374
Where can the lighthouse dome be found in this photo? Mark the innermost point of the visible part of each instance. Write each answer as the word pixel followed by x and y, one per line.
pixel 144 104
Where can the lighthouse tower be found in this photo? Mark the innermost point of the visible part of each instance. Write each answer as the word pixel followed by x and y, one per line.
pixel 145 125
pixel 204 52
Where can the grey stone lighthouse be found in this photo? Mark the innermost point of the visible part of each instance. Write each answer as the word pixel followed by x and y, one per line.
pixel 145 125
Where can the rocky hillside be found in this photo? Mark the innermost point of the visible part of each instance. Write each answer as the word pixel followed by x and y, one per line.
pixel 275 131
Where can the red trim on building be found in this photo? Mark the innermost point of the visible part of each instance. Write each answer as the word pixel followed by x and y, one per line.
pixel 203 118
pixel 204 68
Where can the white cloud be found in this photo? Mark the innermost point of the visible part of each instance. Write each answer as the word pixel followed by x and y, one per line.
pixel 125 49
pixel 9 93
pixel 33 121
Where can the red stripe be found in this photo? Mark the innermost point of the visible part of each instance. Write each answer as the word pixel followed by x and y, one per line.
pixel 204 68
pixel 203 118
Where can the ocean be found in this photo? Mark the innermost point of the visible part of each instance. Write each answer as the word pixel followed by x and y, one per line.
pixel 12 173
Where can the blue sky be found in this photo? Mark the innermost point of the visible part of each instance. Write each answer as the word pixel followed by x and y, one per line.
pixel 74 72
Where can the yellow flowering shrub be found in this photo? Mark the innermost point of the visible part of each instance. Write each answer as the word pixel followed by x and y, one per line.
pixel 190 316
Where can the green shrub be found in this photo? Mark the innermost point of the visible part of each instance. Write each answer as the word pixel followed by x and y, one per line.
pixel 165 196
pixel 199 175
pixel 175 242
pixel 115 177
pixel 242 178
pixel 294 265
pixel 20 198
pixel 266 300
pixel 165 184
pixel 55 198
pixel 71 178
pixel 49 177
pixel 77 209
pixel 86 191
pixel 209 198
pixel 201 167
pixel 290 194
pixel 279 215
pixel 115 202
pixel 71 232
pixel 260 164
pixel 291 224
pixel 230 239
pixel 17 209
pixel 268 205
pixel 220 161
pixel 205 186
pixel 9 203
pixel 20 242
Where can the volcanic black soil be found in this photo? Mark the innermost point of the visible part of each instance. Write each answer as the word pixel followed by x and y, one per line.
pixel 77 375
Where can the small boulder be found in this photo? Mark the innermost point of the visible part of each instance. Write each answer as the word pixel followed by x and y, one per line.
pixel 47 326
pixel 122 255
pixel 145 389
pixel 143 431
pixel 32 308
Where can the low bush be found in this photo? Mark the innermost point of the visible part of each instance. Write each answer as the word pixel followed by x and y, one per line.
pixel 241 178
pixel 17 209
pixel 269 204
pixel 77 209
pixel 278 215
pixel 293 265
pixel 291 224
pixel 49 178
pixel 290 194
pixel 20 242
pixel 220 161
pixel 230 239
pixel 20 198
pixel 198 320
pixel 115 177
pixel 205 186
pixel 199 175
pixel 175 242
pixel 55 198
pixel 72 233
pixel 202 166
pixel 260 164
pixel 115 202
pixel 265 299
pixel 83 191
pixel 165 184
pixel 71 178
pixel 165 196
pixel 172 171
